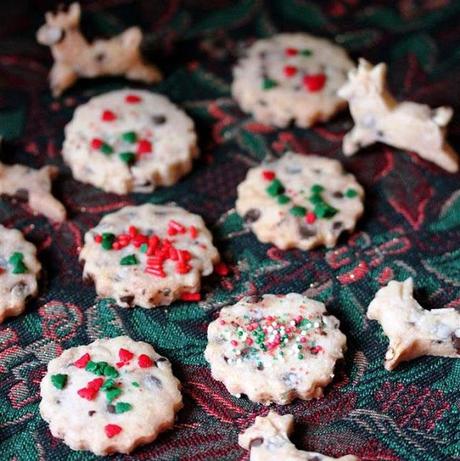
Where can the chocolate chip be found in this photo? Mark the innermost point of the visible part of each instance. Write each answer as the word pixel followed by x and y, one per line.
pixel 19 288
pixel 317 170
pixel 111 408
pixel 92 412
pixel 260 366
pixel 261 102
pixel 166 292
pixel 256 442
pixel 225 359
pixel 22 194
pixel 99 57
pixel 161 359
pixel 337 194
pixel 158 119
pixel 456 342
pixel 306 231
pixel 251 216
pixel 128 299
pixel 152 382
pixel 337 225
pixel 380 134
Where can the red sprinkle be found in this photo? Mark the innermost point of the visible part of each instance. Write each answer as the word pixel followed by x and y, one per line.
pixel 92 388
pixel 82 361
pixel 291 51
pixel 221 269
pixel 314 82
pixel 290 71
pixel 98 238
pixel 133 99
pixel 234 343
pixel 111 430
pixel 132 231
pixel 144 146
pixel 108 116
pixel 145 361
pixel 193 232
pixel 268 175
pixel 310 217
pixel 125 355
pixel 155 271
pixel 190 297
pixel 95 384
pixel 96 143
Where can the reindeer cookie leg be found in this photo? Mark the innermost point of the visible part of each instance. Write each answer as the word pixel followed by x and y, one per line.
pixel 413 331
pixel 61 77
pixel 268 440
pixel 355 139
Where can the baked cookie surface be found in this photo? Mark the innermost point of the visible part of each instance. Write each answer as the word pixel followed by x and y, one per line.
pixel 275 349
pixel 129 140
pixel 19 269
pixel 300 201
pixel 149 255
pixel 109 396
pixel 291 77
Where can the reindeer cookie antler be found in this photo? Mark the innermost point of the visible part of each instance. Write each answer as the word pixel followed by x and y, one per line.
pixel 406 125
pixel 412 330
pixel 75 57
pixel 268 440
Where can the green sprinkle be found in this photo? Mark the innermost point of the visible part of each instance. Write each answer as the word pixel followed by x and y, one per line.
pixel 102 369
pixel 283 199
pixel 16 258
pixel 316 198
pixel 300 356
pixel 306 52
pixel 112 393
pixel 144 247
pixel 107 240
pixel 59 381
pixel 108 385
pixel 269 83
pixel 275 188
pixel 122 407
pixel 92 367
pixel 19 268
pixel 351 193
pixel 135 384
pixel 129 136
pixel 127 157
pixel 317 188
pixel 110 371
pixel 129 260
pixel 298 211
pixel 106 149
pixel 324 210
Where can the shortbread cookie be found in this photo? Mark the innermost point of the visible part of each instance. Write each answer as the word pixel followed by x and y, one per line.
pixel 109 396
pixel 149 255
pixel 275 349
pixel 268 440
pixel 412 330
pixel 291 77
pixel 33 186
pixel 129 140
pixel 406 125
pixel 19 270
pixel 300 201
pixel 75 57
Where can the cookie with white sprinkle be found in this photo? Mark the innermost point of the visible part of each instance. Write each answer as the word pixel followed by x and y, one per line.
pixel 149 255
pixel 300 201
pixel 275 349
pixel 109 396
pixel 129 140
pixel 291 77
pixel 19 270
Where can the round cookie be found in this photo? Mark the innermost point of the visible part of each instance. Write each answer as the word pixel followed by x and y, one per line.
pixel 109 396
pixel 300 201
pixel 291 77
pixel 19 269
pixel 129 140
pixel 149 255
pixel 275 349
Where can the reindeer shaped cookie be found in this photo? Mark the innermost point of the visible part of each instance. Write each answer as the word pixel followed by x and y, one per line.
pixel 267 439
pixel 406 125
pixel 75 57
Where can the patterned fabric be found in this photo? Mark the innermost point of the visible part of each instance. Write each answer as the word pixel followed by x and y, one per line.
pixel 411 227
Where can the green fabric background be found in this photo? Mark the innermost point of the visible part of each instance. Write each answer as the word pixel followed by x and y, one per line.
pixel 411 227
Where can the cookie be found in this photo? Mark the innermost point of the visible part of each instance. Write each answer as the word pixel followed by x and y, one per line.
pixel 19 270
pixel 149 255
pixel 267 439
pixel 76 57
pixel 291 77
pixel 109 396
pixel 34 187
pixel 300 201
pixel 405 125
pixel 413 331
pixel 129 141
pixel 275 349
